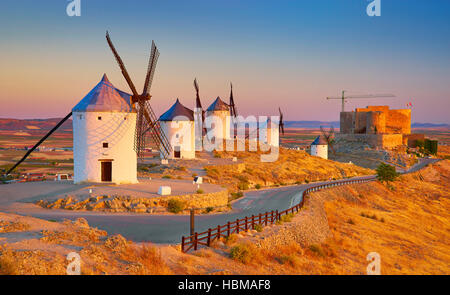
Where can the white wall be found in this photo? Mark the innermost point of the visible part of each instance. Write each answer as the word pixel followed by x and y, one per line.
pixel 185 140
pixel 319 151
pixel 221 124
pixel 89 134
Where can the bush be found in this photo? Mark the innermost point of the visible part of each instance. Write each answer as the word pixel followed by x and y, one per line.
pixel 350 221
pixel 209 209
pixel 243 253
pixel 257 186
pixel 243 186
pixel 291 260
pixel 316 249
pixel 237 195
pixel 258 227
pixel 167 176
pixel 176 206
pixel 287 217
pixel 200 191
pixel 386 173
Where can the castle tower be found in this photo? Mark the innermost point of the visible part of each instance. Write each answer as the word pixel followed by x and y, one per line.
pixel 178 125
pixel 104 125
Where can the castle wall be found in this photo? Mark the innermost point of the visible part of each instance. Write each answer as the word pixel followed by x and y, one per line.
pixel 346 122
pixel 385 141
pixel 398 121
pixel 376 122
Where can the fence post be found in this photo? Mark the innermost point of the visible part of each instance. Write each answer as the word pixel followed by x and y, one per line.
pixel 237 226
pixel 265 219
pixel 246 226
pixel 228 229
pixel 276 216
pixel 208 242
pixel 218 232
pixel 260 215
pixel 182 244
pixel 253 221
pixel 195 240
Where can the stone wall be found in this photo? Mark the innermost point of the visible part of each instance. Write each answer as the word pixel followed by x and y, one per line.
pixel 385 141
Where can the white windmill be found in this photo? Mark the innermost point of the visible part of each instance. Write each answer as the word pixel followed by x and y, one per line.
pixel 104 125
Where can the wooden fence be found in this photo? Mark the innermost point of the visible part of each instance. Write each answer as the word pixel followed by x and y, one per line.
pixel 249 222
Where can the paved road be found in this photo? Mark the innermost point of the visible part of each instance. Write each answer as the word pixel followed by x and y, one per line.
pixel 166 228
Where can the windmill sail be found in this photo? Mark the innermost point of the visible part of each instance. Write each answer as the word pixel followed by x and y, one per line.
pixel 147 121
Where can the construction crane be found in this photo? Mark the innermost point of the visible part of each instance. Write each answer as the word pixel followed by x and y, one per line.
pixel 344 97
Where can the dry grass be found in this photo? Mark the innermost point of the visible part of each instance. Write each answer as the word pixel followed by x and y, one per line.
pixel 407 224
pixel 100 254
pixel 13 226
pixel 292 167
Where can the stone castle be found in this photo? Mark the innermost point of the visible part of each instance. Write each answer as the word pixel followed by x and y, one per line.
pixel 376 126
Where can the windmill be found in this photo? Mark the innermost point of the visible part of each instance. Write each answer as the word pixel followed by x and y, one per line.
pixel 328 135
pixel 281 124
pixel 344 97
pixel 146 118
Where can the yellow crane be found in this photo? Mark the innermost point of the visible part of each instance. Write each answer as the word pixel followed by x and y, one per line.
pixel 344 97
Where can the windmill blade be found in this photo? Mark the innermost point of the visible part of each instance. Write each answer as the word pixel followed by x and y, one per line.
pixel 121 65
pixel 158 135
pixel 198 103
pixel 154 55
pixel 281 123
pixel 232 106
pixel 39 142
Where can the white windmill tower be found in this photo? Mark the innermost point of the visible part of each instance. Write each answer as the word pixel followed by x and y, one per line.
pixel 104 125
pixel 218 113
pixel 319 147
pixel 178 125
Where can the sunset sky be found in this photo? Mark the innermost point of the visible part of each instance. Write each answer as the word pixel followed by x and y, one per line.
pixel 291 54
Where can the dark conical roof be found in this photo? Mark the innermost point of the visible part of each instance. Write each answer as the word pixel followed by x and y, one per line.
pixel 320 140
pixel 218 105
pixel 104 97
pixel 178 111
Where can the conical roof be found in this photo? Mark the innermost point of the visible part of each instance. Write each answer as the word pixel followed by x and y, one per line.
pixel 104 97
pixel 320 140
pixel 178 111
pixel 218 105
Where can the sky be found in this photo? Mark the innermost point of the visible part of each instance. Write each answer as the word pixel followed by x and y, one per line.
pixel 288 54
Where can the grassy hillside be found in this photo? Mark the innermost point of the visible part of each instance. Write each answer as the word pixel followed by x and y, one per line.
pixel 292 167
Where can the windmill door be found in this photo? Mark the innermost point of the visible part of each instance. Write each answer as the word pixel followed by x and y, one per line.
pixel 177 152
pixel 106 170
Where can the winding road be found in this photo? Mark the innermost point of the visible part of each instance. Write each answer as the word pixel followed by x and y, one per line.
pixel 160 228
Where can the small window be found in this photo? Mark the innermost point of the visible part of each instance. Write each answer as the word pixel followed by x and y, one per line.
pixel 99 117
pixel 80 117
pixel 124 118
pixel 105 144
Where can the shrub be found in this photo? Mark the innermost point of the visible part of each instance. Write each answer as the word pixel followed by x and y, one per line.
pixel 306 181
pixel 182 168
pixel 386 173
pixel 236 195
pixel 176 206
pixel 350 221
pixel 243 253
pixel 287 217
pixel 209 209
pixel 167 176
pixel 194 174
pixel 257 186
pixel 291 259
pixel 258 227
pixel 316 249
pixel 243 186
pixel 200 191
